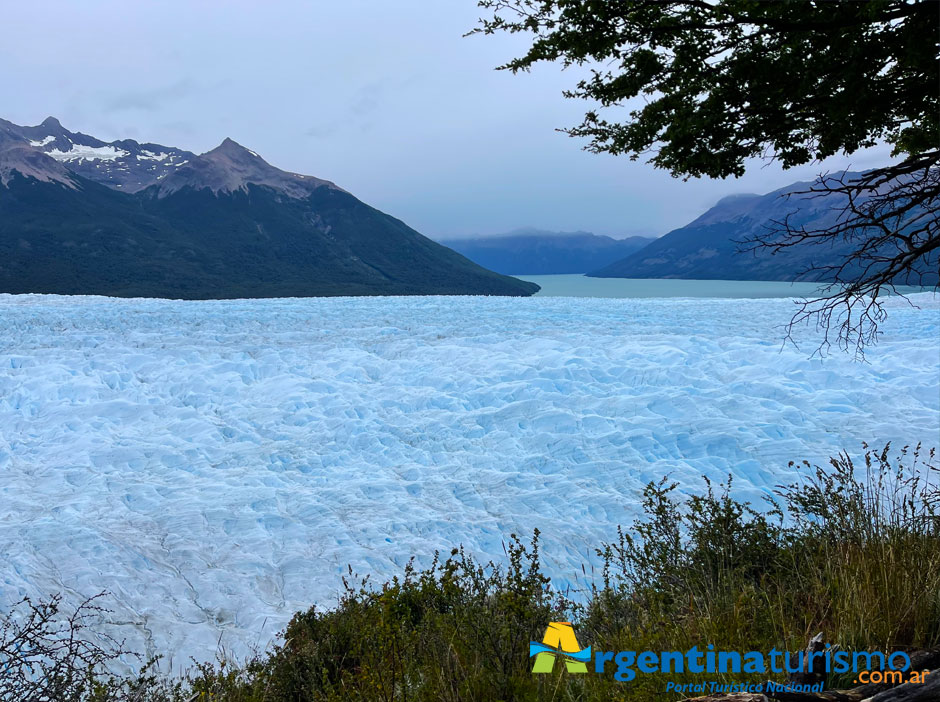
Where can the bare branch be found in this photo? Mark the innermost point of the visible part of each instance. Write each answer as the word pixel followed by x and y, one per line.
pixel 889 221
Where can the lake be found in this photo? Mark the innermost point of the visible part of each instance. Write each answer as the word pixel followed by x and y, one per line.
pixel 576 285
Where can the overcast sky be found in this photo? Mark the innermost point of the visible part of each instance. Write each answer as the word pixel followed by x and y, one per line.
pixel 387 99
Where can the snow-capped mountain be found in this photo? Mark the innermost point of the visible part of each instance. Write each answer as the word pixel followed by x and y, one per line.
pixel 82 216
pixel 125 164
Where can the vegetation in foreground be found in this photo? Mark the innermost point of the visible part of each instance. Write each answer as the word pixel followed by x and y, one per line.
pixel 852 550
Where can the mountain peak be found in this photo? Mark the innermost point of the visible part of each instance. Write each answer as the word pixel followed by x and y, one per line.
pixel 736 199
pixel 230 167
pixel 232 149
pixel 51 123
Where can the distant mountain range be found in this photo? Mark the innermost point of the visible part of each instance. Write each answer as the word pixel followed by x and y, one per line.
pixel 538 252
pixel 82 216
pixel 709 248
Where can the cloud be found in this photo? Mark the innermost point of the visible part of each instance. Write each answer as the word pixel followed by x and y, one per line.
pixel 152 100
pixel 358 114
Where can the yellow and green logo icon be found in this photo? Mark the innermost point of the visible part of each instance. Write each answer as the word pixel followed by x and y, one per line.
pixel 559 640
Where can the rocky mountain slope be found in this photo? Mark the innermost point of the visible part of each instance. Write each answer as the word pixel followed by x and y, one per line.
pixel 710 248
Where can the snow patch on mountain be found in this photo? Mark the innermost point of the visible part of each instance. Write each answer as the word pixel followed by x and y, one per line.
pixel 80 152
pixel 151 156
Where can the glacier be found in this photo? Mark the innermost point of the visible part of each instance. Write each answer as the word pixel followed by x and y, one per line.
pixel 215 466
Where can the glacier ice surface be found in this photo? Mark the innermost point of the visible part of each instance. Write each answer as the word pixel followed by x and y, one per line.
pixel 216 465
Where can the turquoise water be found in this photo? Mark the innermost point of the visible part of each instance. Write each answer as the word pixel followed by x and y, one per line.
pixel 581 286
